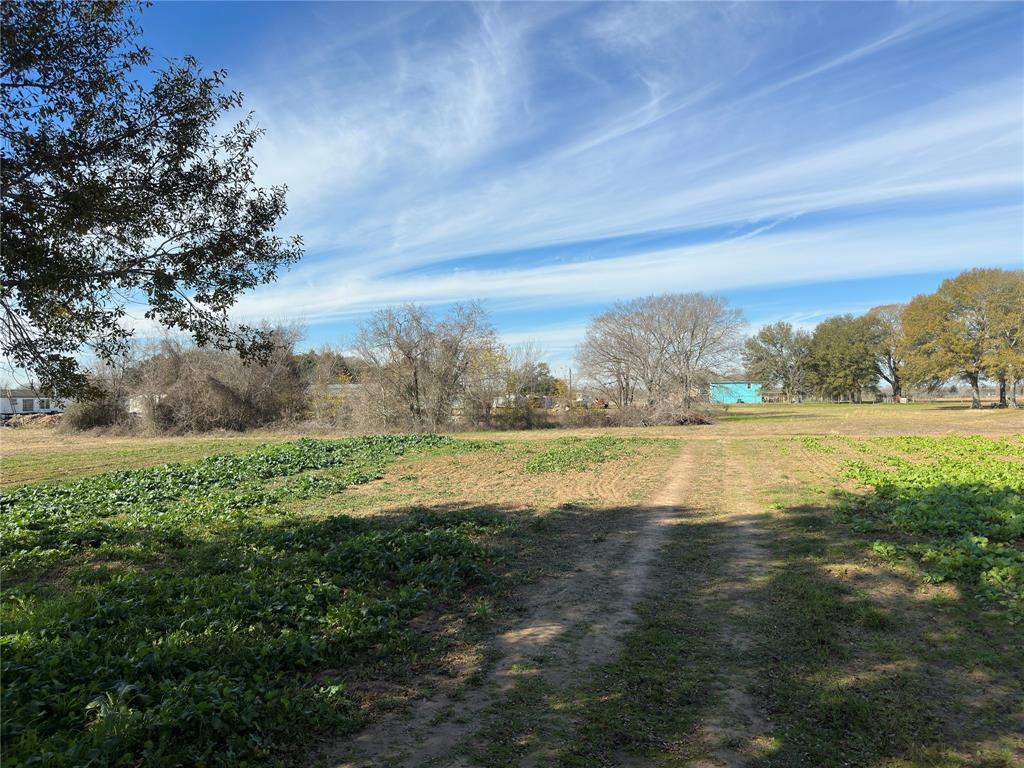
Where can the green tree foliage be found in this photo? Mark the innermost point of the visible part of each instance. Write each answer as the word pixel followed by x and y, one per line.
pixel 779 356
pixel 970 328
pixel 117 191
pixel 327 362
pixel 542 382
pixel 1004 360
pixel 842 357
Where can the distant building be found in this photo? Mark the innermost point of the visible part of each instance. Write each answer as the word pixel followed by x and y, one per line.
pixel 18 401
pixel 534 401
pixel 729 392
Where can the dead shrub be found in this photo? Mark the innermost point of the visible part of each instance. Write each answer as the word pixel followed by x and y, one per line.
pixel 91 414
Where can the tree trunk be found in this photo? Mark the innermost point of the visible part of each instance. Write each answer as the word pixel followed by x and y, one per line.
pixel 416 407
pixel 1002 391
pixel 975 393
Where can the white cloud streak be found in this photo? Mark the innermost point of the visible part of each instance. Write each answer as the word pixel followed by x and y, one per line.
pixel 838 252
pixel 539 127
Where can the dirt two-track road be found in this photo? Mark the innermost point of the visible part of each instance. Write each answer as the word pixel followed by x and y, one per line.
pixel 722 623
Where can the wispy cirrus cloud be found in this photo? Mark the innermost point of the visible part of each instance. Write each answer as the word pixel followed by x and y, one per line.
pixel 832 252
pixel 445 152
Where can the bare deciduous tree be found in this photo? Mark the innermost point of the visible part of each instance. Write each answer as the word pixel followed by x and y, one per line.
pixel 609 356
pixel 889 344
pixel 666 346
pixel 418 366
pixel 702 335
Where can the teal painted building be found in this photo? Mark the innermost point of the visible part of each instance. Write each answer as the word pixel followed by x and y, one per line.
pixel 728 392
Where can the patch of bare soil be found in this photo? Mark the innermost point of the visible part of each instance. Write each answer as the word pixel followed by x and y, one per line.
pixel 33 420
pixel 566 623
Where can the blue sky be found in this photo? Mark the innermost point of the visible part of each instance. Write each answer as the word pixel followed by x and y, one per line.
pixel 801 159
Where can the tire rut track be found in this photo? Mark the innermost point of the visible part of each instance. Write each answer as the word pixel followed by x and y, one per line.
pixel 596 601
pixel 732 730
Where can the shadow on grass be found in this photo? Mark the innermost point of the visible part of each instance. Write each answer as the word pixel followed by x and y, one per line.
pixel 820 656
pixel 207 648
pixel 567 706
pixel 863 666
pixel 967 531
pixel 219 651
pixel 220 645
pixel 666 680
pixel 575 577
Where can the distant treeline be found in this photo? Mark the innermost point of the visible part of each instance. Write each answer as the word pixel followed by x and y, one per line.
pixel 971 329
pixel 646 361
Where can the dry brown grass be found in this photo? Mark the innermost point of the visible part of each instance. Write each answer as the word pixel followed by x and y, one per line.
pixel 940 418
pixel 496 476
pixel 865 420
pixel 33 455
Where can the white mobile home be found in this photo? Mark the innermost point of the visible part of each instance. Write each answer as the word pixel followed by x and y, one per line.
pixel 18 401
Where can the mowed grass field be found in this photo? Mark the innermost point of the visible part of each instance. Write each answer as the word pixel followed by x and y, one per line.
pixel 795 586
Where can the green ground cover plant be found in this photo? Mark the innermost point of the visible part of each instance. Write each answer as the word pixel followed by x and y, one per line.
pixel 957 504
pixel 817 444
pixel 576 454
pixel 187 614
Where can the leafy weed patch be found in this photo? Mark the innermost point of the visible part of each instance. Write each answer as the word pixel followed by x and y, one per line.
pixel 961 500
pixel 817 444
pixel 179 615
pixel 578 454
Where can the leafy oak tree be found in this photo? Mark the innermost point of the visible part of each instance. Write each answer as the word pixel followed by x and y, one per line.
pixel 118 188
pixel 779 356
pixel 842 357
pixel 969 329
pixel 1004 360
